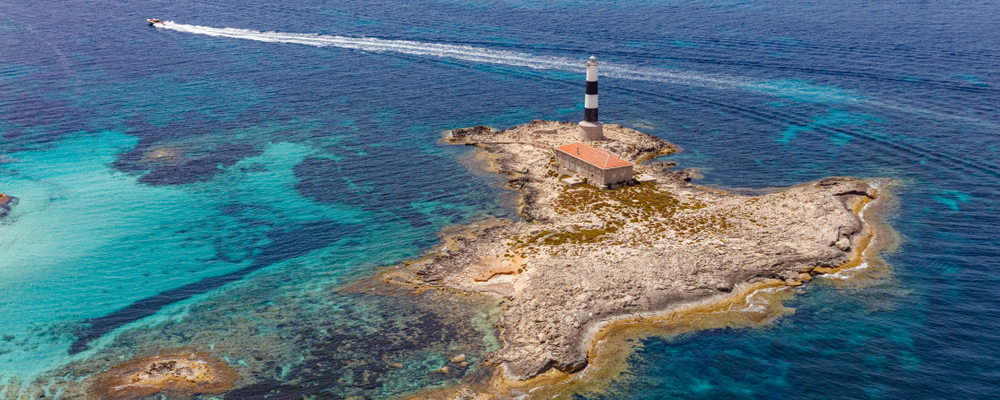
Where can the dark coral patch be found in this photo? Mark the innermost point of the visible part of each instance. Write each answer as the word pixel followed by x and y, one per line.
pixel 284 246
pixel 321 179
pixel 177 168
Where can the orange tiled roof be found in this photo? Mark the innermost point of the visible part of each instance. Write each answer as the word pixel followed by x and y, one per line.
pixel 599 158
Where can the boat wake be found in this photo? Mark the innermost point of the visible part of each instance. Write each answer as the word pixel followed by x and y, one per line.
pixel 470 54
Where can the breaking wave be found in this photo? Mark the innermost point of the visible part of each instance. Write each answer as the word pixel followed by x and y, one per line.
pixel 849 272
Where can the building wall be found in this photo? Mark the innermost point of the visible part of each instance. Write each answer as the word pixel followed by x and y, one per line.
pixel 617 175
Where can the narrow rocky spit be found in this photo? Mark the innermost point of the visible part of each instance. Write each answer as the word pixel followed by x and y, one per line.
pixel 582 258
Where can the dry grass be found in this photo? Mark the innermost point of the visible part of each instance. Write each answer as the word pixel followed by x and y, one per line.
pixel 633 215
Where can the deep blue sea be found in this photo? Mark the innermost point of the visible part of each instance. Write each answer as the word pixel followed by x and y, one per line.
pixel 213 184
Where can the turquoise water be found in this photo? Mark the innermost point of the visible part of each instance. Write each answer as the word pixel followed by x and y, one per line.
pixel 198 186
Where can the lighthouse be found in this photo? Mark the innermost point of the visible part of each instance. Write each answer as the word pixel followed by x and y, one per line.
pixel 590 127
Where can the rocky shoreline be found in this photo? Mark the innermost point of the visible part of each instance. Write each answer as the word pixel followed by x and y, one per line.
pixel 583 258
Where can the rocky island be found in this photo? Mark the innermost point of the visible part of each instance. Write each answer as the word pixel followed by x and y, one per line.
pixel 178 373
pixel 584 258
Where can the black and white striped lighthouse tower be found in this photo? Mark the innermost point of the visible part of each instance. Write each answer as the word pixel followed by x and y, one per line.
pixel 590 127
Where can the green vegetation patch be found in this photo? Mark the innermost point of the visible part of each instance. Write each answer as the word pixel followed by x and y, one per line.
pixel 649 211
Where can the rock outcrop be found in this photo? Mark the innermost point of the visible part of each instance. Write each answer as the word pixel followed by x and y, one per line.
pixel 7 203
pixel 179 373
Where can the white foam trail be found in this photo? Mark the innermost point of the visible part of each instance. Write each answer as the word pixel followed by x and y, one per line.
pixel 756 301
pixel 464 53
pixel 847 273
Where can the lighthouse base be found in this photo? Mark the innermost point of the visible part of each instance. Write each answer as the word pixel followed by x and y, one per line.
pixel 591 130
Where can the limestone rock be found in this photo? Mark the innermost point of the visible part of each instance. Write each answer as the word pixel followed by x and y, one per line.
pixel 466 394
pixel 823 270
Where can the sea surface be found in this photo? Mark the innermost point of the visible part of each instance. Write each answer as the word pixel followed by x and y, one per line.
pixel 217 183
